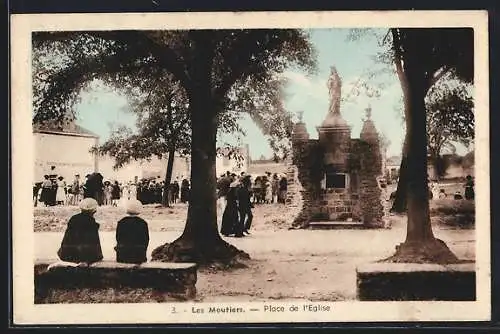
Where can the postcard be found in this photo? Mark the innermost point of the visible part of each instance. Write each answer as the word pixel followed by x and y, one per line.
pixel 250 167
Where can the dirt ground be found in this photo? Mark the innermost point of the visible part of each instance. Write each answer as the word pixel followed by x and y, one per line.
pixel 315 265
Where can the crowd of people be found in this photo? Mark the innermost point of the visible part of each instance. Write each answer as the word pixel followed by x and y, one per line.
pixel 54 190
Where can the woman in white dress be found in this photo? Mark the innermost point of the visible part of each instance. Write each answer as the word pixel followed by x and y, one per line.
pixel 269 192
pixel 61 191
pixel 133 191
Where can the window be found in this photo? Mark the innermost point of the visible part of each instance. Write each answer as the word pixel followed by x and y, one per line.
pixel 334 180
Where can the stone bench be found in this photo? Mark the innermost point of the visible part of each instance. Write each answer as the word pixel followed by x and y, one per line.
pixel 165 279
pixel 413 281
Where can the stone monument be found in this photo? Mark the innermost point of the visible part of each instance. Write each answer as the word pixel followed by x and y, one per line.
pixel 338 174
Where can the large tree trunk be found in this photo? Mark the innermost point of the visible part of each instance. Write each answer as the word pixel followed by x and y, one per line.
pixel 168 177
pixel 420 245
pixel 201 242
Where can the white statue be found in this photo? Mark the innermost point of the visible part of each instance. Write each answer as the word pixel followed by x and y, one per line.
pixel 334 89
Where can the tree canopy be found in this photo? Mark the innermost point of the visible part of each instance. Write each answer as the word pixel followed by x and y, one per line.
pixel 450 116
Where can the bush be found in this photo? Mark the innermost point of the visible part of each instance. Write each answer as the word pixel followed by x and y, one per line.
pixel 445 207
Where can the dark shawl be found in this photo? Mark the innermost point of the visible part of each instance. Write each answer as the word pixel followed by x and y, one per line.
pixel 81 240
pixel 132 239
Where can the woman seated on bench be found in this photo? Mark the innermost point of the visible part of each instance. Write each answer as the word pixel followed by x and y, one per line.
pixel 81 242
pixel 132 236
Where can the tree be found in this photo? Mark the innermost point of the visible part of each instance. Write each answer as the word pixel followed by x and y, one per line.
pixel 422 57
pixel 458 68
pixel 207 64
pixel 450 119
pixel 162 123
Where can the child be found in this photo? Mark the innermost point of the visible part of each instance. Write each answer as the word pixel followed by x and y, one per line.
pixel 81 242
pixel 132 236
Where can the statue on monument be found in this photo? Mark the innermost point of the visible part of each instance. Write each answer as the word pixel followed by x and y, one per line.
pixel 334 89
pixel 300 115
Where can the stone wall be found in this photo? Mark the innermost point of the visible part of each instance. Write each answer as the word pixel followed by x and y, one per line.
pixel 307 157
pixel 370 194
pixel 338 204
pixel 294 201
pixel 317 204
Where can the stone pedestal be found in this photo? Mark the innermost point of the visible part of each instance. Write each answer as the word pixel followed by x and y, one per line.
pixel 413 281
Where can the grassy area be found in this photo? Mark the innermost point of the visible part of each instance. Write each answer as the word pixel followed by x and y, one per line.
pixel 455 213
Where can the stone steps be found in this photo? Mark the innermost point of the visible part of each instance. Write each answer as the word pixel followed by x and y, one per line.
pixel 334 225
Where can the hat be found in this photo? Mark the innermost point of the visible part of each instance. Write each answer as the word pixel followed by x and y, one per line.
pixel 134 207
pixel 88 204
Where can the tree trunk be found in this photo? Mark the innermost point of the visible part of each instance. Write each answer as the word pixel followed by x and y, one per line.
pixel 420 245
pixel 168 176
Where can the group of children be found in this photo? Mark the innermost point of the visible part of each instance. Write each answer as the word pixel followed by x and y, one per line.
pixel 81 243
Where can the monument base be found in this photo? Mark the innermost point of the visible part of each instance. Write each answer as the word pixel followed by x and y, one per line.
pixel 414 281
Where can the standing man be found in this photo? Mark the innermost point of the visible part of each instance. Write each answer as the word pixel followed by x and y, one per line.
pixel 283 187
pixel 184 191
pixel 76 190
pixel 244 207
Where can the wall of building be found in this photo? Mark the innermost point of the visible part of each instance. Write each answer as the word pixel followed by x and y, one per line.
pixel 226 163
pixel 70 155
pixel 261 167
pixel 142 169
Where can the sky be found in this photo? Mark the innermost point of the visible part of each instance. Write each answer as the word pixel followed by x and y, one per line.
pixel 100 109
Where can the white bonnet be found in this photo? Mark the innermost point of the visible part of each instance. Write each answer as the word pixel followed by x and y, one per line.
pixel 88 204
pixel 133 207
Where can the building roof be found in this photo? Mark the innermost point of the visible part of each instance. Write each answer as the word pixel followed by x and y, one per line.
pixel 68 130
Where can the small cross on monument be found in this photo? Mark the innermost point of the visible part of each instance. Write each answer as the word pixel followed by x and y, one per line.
pixel 368 111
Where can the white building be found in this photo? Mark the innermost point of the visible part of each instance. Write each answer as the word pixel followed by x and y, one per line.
pixel 226 162
pixel 69 150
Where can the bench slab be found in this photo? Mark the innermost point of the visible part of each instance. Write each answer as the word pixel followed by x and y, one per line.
pixel 169 279
pixel 412 281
